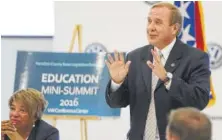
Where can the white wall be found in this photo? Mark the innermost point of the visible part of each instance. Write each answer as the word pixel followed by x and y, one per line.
pixel 117 25
pixel 32 17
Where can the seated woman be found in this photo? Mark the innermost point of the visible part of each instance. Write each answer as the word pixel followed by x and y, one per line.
pixel 26 109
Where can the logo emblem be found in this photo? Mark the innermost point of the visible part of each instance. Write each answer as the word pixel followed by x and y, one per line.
pixel 152 2
pixel 172 65
pixel 215 53
pixel 95 48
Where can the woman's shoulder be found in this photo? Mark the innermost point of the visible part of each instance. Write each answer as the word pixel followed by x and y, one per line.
pixel 45 126
pixel 46 131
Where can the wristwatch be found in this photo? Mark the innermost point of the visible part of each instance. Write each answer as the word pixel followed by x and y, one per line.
pixel 168 77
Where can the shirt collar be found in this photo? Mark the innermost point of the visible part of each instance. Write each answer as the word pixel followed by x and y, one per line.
pixel 166 51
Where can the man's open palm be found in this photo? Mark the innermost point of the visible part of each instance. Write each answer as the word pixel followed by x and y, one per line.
pixel 118 69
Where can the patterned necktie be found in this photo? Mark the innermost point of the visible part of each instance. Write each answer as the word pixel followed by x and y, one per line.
pixel 151 130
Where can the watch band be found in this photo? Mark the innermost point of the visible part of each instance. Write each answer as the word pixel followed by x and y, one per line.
pixel 168 77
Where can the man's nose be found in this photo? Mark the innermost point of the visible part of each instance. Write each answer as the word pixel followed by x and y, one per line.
pixel 150 27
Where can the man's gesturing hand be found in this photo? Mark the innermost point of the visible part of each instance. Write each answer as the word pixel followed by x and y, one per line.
pixel 157 67
pixel 118 69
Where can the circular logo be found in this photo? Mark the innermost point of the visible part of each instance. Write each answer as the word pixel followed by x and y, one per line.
pixel 152 2
pixel 215 53
pixel 95 48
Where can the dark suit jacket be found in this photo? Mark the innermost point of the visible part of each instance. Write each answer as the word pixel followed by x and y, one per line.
pixel 42 131
pixel 190 86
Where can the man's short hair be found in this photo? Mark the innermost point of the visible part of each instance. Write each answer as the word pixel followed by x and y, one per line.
pixel 189 124
pixel 176 16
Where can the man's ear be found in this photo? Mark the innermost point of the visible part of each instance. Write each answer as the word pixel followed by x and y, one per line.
pixel 174 137
pixel 176 29
pixel 171 136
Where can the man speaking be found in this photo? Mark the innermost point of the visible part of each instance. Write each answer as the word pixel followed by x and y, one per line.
pixel 156 78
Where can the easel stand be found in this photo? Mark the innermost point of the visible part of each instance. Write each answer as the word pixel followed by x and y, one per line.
pixel 77 32
pixel 83 129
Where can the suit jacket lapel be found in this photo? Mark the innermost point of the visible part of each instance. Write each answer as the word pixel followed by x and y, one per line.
pixel 146 71
pixel 173 60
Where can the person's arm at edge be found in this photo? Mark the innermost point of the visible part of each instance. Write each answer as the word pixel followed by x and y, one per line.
pixel 117 95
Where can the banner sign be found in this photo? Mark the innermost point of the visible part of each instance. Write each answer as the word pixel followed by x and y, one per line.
pixel 72 83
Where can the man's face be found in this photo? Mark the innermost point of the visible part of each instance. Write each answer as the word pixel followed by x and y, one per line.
pixel 159 30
